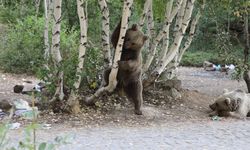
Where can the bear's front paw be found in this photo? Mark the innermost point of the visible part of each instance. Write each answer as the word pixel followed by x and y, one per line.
pixel 121 64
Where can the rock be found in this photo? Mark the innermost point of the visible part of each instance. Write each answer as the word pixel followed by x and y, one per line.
pixel 21 104
pixel 173 106
pixel 18 88
pixel 169 84
pixel 5 105
pixel 175 94
pixel 15 125
pixel 23 109
pixel 46 126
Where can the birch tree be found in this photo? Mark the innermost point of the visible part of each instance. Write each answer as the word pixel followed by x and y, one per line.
pixel 147 18
pixel 37 3
pixel 190 37
pixel 113 74
pixel 173 51
pixel 55 49
pixel 145 13
pixel 73 100
pixel 162 33
pixel 105 33
pixel 46 31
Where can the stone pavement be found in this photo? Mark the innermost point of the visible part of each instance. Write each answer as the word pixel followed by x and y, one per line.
pixel 227 134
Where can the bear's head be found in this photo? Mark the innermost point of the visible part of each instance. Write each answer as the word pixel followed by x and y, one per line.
pixel 134 38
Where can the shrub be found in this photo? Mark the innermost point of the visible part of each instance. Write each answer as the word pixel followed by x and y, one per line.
pixel 22 51
pixel 197 58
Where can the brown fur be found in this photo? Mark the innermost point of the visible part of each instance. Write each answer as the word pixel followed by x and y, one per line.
pixel 234 103
pixel 129 72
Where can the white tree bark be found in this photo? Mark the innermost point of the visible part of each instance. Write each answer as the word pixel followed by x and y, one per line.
pixel 83 42
pixel 166 38
pixel 179 36
pixel 113 74
pixel 145 12
pixel 105 33
pixel 151 21
pixel 51 7
pixel 173 50
pixel 73 101
pixel 180 17
pixel 46 31
pixel 171 68
pixel 190 37
pixel 149 29
pixel 161 34
pixel 55 50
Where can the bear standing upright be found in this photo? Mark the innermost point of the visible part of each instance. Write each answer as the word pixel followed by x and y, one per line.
pixel 130 65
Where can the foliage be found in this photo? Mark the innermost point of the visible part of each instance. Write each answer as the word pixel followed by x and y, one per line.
pixel 197 58
pixel 219 33
pixel 28 143
pixel 22 49
pixel 13 12
pixel 3 133
pixel 30 136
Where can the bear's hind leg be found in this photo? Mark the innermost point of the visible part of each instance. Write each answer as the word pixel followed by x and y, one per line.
pixel 134 92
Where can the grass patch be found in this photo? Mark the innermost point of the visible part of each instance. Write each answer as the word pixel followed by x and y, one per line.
pixel 196 58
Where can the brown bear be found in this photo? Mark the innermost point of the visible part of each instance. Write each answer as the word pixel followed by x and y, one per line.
pixel 129 71
pixel 234 103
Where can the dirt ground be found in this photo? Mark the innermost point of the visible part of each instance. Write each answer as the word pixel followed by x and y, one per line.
pixel 199 89
pixel 169 124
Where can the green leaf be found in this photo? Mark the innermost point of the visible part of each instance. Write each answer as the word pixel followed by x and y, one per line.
pixel 51 147
pixel 42 146
pixel 12 148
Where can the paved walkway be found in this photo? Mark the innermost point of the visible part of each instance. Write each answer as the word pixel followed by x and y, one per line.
pixel 204 135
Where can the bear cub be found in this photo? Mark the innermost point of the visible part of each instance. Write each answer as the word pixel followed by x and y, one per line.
pixel 130 65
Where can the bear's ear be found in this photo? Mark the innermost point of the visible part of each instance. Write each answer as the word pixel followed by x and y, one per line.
pixel 134 27
pixel 145 38
pixel 225 91
pixel 227 101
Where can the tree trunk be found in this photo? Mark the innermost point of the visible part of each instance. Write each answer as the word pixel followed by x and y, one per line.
pixel 151 21
pixel 55 50
pixel 162 33
pixel 73 101
pixel 105 33
pixel 112 76
pixel 145 12
pixel 166 38
pixel 149 29
pixel 173 50
pixel 46 31
pixel 180 17
pixel 190 37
